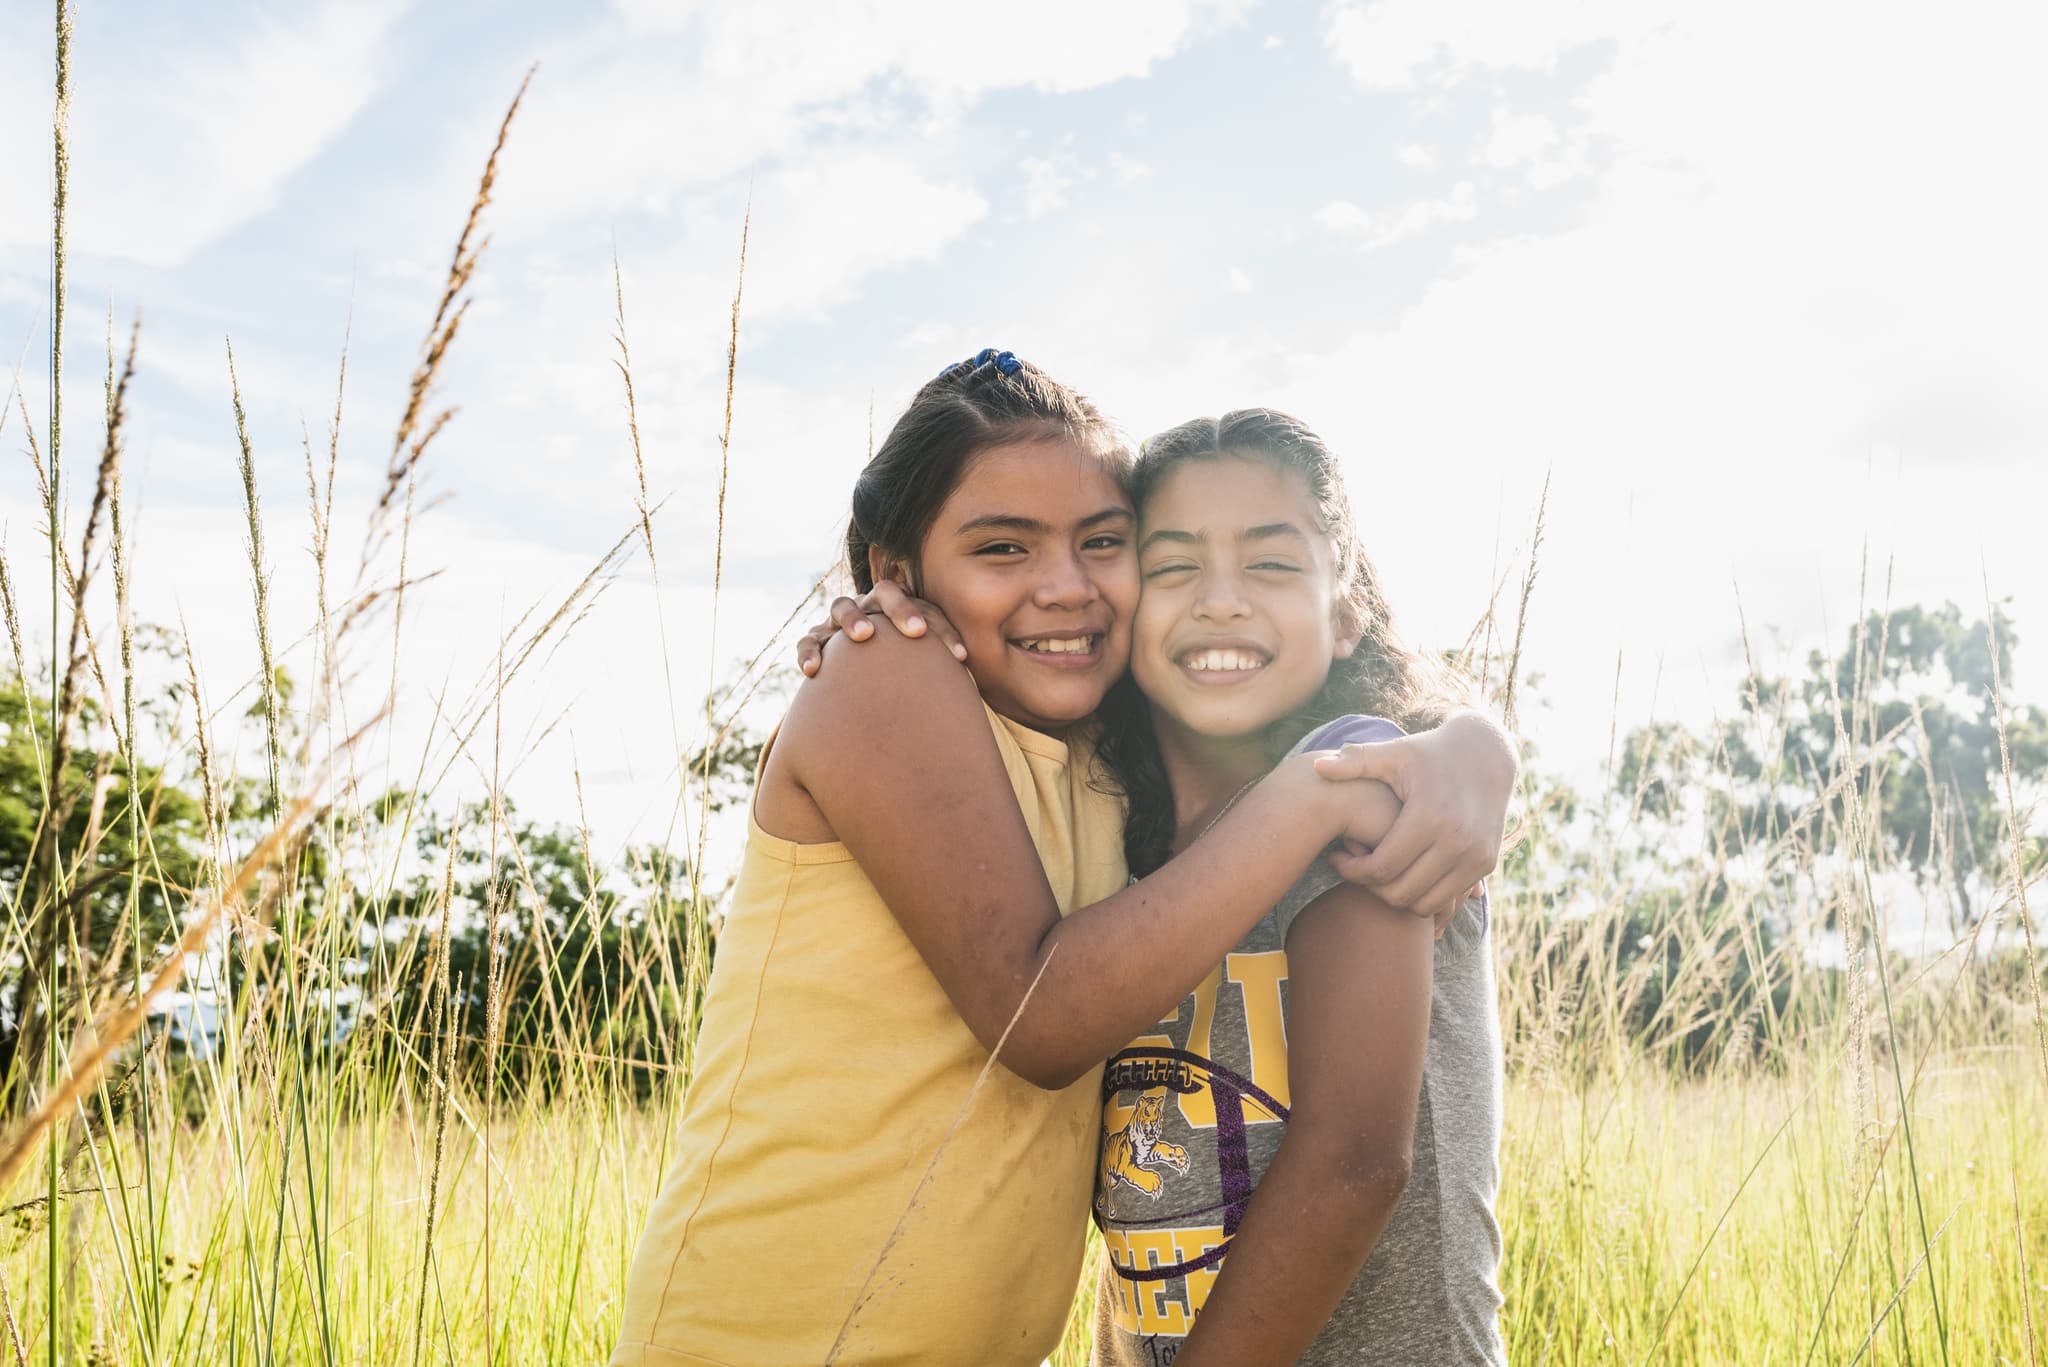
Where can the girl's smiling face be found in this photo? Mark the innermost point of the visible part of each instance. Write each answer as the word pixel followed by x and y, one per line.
pixel 1239 619
pixel 1031 558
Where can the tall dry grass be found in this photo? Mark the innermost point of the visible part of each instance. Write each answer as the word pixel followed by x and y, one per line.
pixel 1845 1166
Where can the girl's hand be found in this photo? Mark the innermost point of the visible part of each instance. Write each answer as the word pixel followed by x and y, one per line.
pixel 1454 784
pixel 910 616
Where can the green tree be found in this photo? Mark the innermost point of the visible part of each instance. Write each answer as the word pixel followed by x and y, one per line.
pixel 1911 696
pixel 595 963
pixel 121 887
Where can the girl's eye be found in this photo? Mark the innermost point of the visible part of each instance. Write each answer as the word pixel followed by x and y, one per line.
pixel 1001 548
pixel 1108 541
pixel 1161 571
pixel 1279 565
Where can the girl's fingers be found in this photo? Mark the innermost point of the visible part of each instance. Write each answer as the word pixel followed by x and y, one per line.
pixel 855 618
pixel 1353 864
pixel 810 647
pixel 1446 898
pixel 1457 884
pixel 1363 759
pixel 1394 857
pixel 900 608
pixel 1414 888
pixel 1350 861
pixel 913 616
pixel 844 615
pixel 850 617
pixel 943 629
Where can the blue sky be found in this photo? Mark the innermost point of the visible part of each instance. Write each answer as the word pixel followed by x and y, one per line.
pixel 1758 287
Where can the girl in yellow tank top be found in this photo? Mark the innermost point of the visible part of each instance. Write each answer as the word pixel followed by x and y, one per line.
pixel 886 1154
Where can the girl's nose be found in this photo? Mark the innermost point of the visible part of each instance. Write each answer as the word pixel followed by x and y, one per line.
pixel 1066 583
pixel 1222 597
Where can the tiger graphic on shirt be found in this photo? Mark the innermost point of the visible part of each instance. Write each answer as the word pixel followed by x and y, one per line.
pixel 1129 1153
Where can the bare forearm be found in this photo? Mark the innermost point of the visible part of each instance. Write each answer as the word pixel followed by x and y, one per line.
pixel 1113 969
pixel 952 858
pixel 1303 1240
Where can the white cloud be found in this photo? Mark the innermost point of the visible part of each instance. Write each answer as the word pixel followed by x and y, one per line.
pixel 931 335
pixel 824 226
pixel 1397 44
pixel 1128 169
pixel 1045 184
pixel 696 92
pixel 941 50
pixel 1518 138
pixel 1342 216
pixel 1533 142
pixel 1240 281
pixel 181 130
pixel 1374 230
pixel 1418 155
pixel 1796 317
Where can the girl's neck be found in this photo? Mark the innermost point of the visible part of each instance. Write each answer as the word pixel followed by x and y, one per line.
pixel 1206 773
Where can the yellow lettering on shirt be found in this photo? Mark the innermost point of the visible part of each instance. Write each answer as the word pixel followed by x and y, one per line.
pixel 1258 977
pixel 1159 1307
pixel 1198 1107
pixel 1202 1279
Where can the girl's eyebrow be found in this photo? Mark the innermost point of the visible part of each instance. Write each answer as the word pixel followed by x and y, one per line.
pixel 1011 523
pixel 1263 532
pixel 1273 529
pixel 1169 534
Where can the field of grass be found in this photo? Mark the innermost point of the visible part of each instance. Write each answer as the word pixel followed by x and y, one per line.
pixel 1741 1220
pixel 1719 1148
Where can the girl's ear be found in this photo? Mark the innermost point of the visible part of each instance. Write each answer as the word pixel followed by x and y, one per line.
pixel 1349 632
pixel 882 565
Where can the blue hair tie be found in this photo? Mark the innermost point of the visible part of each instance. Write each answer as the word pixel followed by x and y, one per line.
pixel 1004 361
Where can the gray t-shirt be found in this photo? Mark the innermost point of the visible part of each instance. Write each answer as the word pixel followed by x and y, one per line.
pixel 1193 1114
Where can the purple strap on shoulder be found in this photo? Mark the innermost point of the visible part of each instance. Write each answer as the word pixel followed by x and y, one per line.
pixel 1353 730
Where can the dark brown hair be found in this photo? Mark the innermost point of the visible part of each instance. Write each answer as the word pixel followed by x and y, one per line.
pixel 1381 677
pixel 987 400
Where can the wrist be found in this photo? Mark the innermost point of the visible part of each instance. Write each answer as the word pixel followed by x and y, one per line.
pixel 1319 800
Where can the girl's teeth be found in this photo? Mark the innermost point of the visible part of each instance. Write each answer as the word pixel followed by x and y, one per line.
pixel 1073 645
pixel 1221 661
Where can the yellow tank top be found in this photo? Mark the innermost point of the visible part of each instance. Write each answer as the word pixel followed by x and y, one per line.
pixel 830 1068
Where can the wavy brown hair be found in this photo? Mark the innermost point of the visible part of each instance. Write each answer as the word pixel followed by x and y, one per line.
pixel 1383 677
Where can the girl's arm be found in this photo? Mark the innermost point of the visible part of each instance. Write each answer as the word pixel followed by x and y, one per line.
pixel 1454 782
pixel 1357 1031
pixel 934 824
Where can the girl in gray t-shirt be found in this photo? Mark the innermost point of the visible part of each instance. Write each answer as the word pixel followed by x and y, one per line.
pixel 1300 1163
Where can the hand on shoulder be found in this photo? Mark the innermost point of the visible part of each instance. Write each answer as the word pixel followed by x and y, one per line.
pixel 883 699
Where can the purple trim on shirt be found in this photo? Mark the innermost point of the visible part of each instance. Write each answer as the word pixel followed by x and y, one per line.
pixel 1352 730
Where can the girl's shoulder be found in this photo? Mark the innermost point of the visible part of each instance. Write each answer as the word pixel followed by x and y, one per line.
pixel 872 720
pixel 1353 728
pixel 892 681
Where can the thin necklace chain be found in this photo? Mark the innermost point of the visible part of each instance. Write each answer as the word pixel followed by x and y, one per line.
pixel 1225 810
